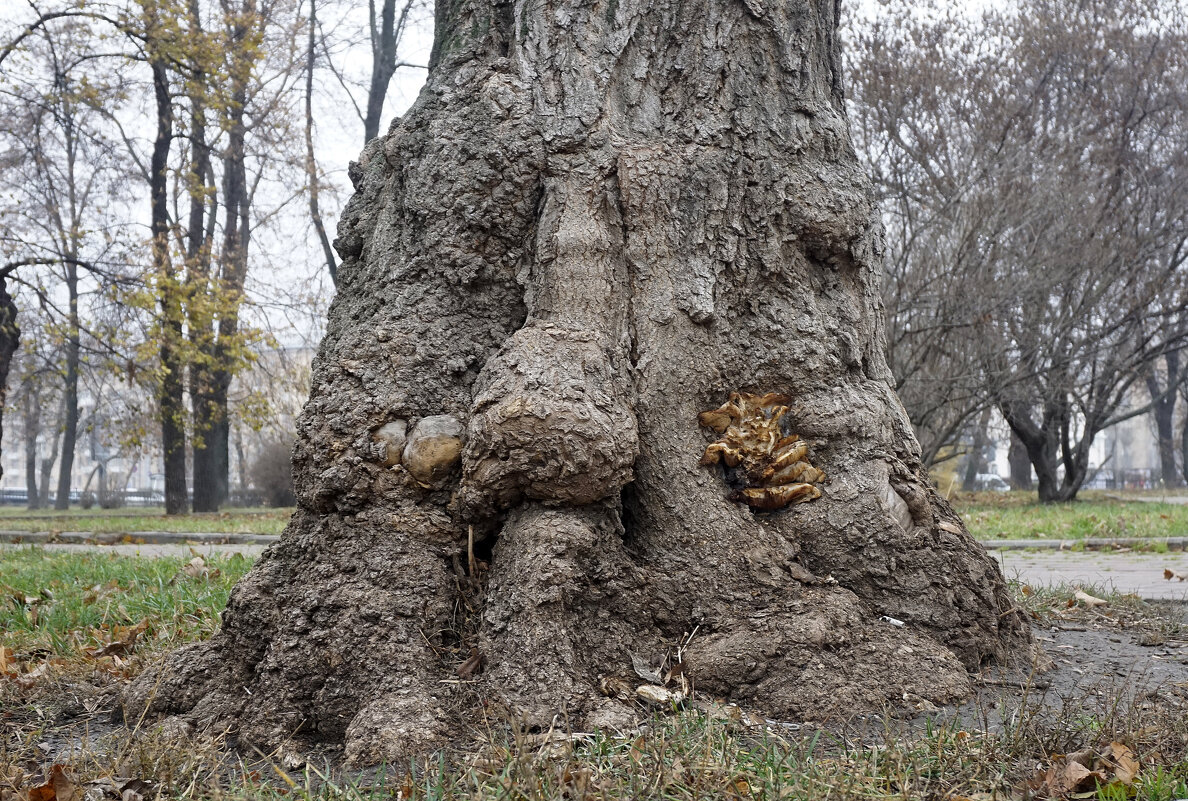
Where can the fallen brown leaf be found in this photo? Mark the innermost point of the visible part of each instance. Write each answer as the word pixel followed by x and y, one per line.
pixel 738 788
pixel 407 788
pixel 137 790
pixel 27 680
pixel 1072 777
pixel 472 665
pixel 636 753
pixel 659 696
pixel 196 567
pixel 1124 763
pixel 58 787
pixel 616 687
pixel 100 592
pixel 8 664
pixel 123 639
pixel 1089 600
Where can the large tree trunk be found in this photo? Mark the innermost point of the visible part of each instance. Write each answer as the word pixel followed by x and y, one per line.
pixel 592 226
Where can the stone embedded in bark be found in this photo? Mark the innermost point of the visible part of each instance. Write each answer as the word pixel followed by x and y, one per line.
pixel 433 448
pixel 758 451
pixel 390 440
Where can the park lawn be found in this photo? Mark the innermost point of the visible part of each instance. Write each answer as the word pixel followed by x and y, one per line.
pixel 131 521
pixel 60 613
pixel 1009 519
pixel 61 604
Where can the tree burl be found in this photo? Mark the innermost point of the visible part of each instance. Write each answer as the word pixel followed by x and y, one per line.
pixel 599 220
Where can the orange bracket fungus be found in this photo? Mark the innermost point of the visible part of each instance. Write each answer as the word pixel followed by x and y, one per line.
pixel 768 464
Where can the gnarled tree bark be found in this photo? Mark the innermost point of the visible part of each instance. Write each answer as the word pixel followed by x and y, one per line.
pixel 592 226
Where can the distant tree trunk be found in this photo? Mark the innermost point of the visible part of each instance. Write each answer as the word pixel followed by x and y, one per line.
pixel 241 464
pixel 212 414
pixel 976 463
pixel 1020 464
pixel 48 462
pixel 31 412
pixel 1061 462
pixel 311 164
pixel 1163 410
pixel 237 233
pixel 595 224
pixel 1184 443
pixel 201 317
pixel 10 339
pixel 69 392
pixel 170 399
pixel 385 38
pixel 70 233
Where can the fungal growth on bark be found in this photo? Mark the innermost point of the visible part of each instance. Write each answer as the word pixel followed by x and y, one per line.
pixel 594 224
pixel 761 457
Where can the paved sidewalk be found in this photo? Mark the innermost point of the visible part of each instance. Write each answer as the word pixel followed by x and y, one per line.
pixel 1131 572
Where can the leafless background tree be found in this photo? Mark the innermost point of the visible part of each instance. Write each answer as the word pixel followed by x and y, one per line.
pixel 181 211
pixel 1033 164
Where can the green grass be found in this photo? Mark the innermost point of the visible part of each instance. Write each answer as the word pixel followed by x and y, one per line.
pixel 61 603
pixel 1007 518
pixel 131 521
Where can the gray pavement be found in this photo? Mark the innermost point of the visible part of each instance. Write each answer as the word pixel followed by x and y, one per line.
pixel 1178 499
pixel 1129 572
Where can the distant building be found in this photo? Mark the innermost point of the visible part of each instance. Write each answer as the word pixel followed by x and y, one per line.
pixel 280 376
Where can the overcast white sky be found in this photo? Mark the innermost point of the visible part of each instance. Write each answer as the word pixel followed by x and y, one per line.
pixel 288 280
